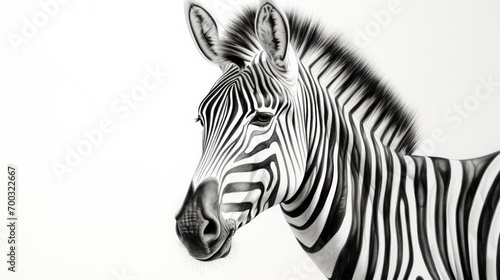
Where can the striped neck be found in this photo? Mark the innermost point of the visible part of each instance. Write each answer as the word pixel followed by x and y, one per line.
pixel 365 211
pixel 345 185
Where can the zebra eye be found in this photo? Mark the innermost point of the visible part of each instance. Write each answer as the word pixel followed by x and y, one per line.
pixel 262 119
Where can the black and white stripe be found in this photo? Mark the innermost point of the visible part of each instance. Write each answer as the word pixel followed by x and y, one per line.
pixel 337 157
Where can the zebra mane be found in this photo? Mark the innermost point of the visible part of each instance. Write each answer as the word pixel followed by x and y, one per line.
pixel 392 121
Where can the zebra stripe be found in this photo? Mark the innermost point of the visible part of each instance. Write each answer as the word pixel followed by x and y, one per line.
pixel 337 158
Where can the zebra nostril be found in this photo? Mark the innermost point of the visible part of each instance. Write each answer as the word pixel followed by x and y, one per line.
pixel 198 222
pixel 210 229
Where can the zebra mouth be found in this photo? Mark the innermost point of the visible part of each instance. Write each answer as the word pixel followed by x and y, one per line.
pixel 222 252
pixel 225 248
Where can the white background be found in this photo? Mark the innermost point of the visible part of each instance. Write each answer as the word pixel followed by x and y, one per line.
pixel 112 217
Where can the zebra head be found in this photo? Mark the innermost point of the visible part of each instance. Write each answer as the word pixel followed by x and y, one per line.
pixel 254 147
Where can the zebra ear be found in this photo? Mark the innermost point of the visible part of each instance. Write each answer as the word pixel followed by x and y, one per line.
pixel 204 31
pixel 273 32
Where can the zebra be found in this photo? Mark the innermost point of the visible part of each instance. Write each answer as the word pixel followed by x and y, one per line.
pixel 297 119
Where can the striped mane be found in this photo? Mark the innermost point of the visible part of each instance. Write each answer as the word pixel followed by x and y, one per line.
pixel 385 115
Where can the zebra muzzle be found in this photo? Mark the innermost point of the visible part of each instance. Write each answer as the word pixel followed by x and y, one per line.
pixel 200 226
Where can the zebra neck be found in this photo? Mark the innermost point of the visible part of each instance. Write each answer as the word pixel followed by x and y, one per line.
pixel 341 198
pixel 364 211
pixel 342 177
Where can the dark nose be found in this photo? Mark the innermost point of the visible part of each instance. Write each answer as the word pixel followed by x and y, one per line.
pixel 198 222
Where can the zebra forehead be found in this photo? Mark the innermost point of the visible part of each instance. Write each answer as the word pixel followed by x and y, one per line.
pixel 266 90
pixel 249 89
